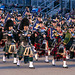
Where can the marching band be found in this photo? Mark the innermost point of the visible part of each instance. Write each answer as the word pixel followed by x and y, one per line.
pixel 28 35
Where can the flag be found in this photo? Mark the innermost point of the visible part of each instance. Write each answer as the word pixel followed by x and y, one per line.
pixel 69 19
pixel 36 25
pixel 7 17
pixel 52 30
pixel 32 16
pixel 23 15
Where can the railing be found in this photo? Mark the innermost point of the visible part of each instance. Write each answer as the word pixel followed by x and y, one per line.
pixel 53 8
pixel 43 3
pixel 48 6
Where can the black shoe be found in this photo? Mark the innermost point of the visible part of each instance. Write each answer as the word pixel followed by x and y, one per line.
pixel 14 63
pixel 4 61
pixel 36 59
pixel 32 67
pixel 18 65
pixel 26 62
pixel 65 67
pixel 46 62
pixel 53 65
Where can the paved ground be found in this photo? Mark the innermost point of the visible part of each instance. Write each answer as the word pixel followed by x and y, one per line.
pixel 41 68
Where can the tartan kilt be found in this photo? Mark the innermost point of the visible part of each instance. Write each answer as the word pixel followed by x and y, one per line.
pixel 10 48
pixel 57 53
pixel 54 51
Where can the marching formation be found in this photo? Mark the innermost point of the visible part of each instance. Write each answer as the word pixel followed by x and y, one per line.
pixel 34 34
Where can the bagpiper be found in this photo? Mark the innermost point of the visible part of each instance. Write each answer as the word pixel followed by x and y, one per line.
pixel 58 47
pixel 10 47
pixel 41 43
pixel 25 48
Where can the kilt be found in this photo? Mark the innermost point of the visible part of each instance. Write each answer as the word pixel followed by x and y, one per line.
pixel 54 51
pixel 10 48
pixel 25 51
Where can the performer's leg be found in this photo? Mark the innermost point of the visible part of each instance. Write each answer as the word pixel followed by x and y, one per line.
pixel 15 58
pixel 67 55
pixel 19 60
pixel 54 56
pixel 71 55
pixel 46 57
pixel 64 62
pixel 36 56
pixel 8 55
pixel 49 52
pixel 26 59
pixel 53 61
pixel 31 63
pixel 4 56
